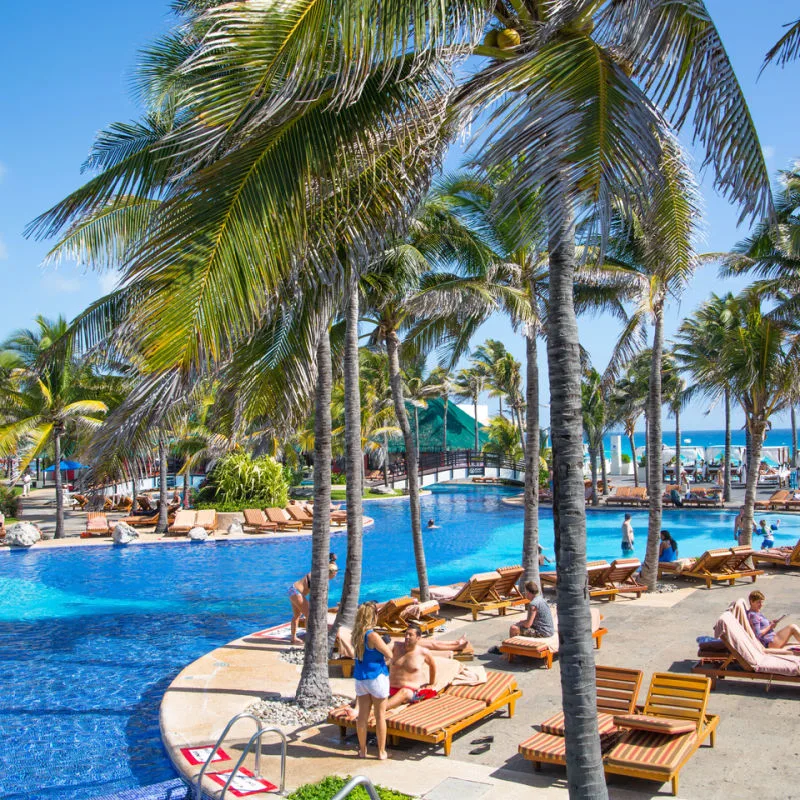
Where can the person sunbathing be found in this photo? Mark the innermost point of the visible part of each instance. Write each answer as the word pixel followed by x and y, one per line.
pixel 766 630
pixel 408 681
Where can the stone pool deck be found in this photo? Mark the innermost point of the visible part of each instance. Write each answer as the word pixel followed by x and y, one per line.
pixel 757 742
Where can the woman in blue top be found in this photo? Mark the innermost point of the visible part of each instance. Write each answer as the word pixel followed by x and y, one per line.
pixel 668 548
pixel 371 672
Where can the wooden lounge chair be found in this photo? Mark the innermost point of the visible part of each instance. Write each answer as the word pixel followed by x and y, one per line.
pixel 628 496
pixel 617 693
pixel 395 616
pixel 437 720
pixel 206 518
pixel 255 519
pixel 506 588
pixel 299 514
pixel 621 576
pixel 671 728
pixel 282 519
pixel 144 502
pixel 79 501
pixel 595 571
pixel 545 649
pixel 776 501
pixel 745 657
pixel 97 524
pixel 723 565
pixel 477 594
pixel 124 504
pixel 184 521
pixel 779 556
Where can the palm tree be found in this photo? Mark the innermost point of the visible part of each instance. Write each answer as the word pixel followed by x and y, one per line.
pixel 508 380
pixel 51 401
pixel 593 412
pixel 417 391
pixel 787 48
pixel 674 393
pixel 440 379
pixel 627 400
pixel 503 439
pixel 469 383
pixel 486 356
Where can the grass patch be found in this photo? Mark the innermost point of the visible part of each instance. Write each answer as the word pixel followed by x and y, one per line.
pixel 328 787
pixel 338 495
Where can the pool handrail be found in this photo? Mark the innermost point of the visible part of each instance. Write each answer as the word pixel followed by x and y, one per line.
pixel 256 737
pixel 357 780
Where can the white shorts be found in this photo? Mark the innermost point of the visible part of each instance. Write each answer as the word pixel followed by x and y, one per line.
pixel 375 687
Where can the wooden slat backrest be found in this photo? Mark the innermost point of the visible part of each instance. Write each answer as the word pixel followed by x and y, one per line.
pixel 596 573
pixel 623 491
pixel 390 610
pixel 712 560
pixel 92 515
pixel 678 696
pixel 508 579
pixel 639 492
pixel 737 558
pixel 617 689
pixel 794 558
pixel 184 518
pixel 277 515
pixel 621 570
pixel 254 516
pixel 477 589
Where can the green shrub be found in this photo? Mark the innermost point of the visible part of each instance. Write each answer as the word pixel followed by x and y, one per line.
pixel 544 477
pixel 338 478
pixel 239 481
pixel 625 458
pixel 9 502
pixel 328 787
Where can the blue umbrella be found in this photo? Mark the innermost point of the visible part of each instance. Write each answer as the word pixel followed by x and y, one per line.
pixel 67 465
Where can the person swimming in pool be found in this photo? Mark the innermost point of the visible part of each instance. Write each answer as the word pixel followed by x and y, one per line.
pixel 431 525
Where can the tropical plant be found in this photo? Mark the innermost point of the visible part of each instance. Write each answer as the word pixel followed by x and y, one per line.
pixel 486 357
pixel 628 398
pixel 53 399
pixel 593 414
pixel 240 481
pixel 673 391
pixel 787 48
pixel 503 439
pixel 469 384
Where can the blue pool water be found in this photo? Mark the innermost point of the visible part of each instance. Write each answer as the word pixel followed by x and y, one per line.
pixel 91 637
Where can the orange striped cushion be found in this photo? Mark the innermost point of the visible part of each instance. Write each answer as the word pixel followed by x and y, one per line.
pixel 555 724
pixel 654 751
pixel 498 684
pixel 641 722
pixel 545 747
pixel 432 716
pixel 534 645
pixel 340 716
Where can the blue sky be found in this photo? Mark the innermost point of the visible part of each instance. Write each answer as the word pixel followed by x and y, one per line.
pixel 66 71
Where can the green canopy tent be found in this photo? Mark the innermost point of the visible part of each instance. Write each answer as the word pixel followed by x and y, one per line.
pixel 460 428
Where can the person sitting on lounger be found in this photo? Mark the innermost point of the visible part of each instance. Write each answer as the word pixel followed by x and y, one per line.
pixel 298 597
pixel 765 629
pixel 408 682
pixel 668 548
pixel 539 621
pixel 675 497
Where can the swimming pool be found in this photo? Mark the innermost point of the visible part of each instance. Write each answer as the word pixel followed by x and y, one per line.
pixel 91 637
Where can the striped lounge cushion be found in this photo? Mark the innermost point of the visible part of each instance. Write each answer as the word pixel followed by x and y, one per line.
pixel 432 716
pixel 340 716
pixel 555 724
pixel 640 722
pixel 497 686
pixel 655 752
pixel 545 747
pixel 534 645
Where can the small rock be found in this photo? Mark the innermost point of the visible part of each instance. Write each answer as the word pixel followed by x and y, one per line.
pixel 124 533
pixel 198 534
pixel 284 711
pixel 292 655
pixel 382 490
pixel 23 534
pixel 236 528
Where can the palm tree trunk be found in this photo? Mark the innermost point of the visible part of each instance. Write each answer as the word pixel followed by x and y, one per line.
pixel 314 688
pixel 793 416
pixel 412 468
pixel 416 430
pixel 354 462
pixel 757 428
pixel 385 458
pixel 530 526
pixel 585 776
pixel 603 475
pixel 475 408
pixel 521 428
pixel 646 447
pixel 444 423
pixel 726 476
pixel 677 445
pixel 655 473
pixel 163 519
pixel 500 405
pixel 187 482
pixel 632 442
pixel 59 534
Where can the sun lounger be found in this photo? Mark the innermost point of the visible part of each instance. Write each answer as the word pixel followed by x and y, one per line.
pixel 144 521
pixel 628 496
pixel 779 556
pixel 256 520
pixel 144 502
pixel 723 565
pixel 672 726
pixel 595 572
pixel 546 648
pixel 745 656
pixel 396 615
pixel 617 692
pixel 79 501
pixel 184 521
pixel 776 501
pixel 299 514
pixel 704 498
pixel 282 519
pixel 125 504
pixel 506 588
pixel 437 720
pixel 477 594
pixel 621 576
pixel 206 518
pixel 97 524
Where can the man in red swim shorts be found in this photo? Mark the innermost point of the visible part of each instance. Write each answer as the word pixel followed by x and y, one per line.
pixel 407 679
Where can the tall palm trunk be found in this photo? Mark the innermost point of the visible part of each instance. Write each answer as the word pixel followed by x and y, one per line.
pixel 57 433
pixel 647 447
pixel 585 777
pixel 530 525
pixel 475 408
pixel 416 430
pixel 353 466
pixel 163 519
pixel 500 406
pixel 412 465
pixel 757 428
pixel 677 445
pixel 385 458
pixel 793 416
pixel 314 688
pixel 593 468
pixel 187 482
pixel 632 443
pixel 603 475
pixel 444 424
pixel 521 429
pixel 726 476
pixel 655 470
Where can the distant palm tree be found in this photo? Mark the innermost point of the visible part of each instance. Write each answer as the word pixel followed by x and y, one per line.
pixel 674 394
pixel 470 383
pixel 52 399
pixel 486 356
pixel 593 412
pixel 628 398
pixel 503 439
pixel 787 48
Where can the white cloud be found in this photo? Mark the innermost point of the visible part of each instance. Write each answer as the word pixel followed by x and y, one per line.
pixel 769 152
pixel 3 249
pixel 108 281
pixel 58 284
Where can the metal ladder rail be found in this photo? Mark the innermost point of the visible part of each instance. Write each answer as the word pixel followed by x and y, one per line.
pixel 358 780
pixel 198 789
pixel 256 737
